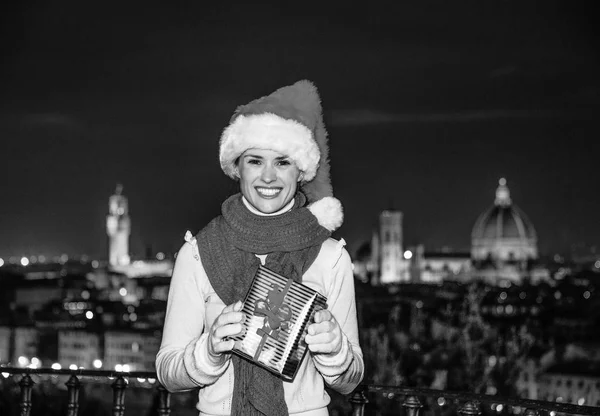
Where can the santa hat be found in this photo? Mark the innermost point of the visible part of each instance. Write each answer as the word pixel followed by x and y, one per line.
pixel 289 121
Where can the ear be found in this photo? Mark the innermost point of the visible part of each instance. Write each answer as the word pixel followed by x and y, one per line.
pixel 236 171
pixel 301 176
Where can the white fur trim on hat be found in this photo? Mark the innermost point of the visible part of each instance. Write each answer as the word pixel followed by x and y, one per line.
pixel 271 132
pixel 328 211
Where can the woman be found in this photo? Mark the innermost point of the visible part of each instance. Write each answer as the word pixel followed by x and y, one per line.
pixel 276 147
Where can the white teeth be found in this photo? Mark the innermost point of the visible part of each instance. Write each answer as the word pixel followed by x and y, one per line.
pixel 268 191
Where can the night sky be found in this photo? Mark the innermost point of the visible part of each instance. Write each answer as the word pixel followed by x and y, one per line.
pixel 427 104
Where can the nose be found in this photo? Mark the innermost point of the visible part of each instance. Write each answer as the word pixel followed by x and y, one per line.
pixel 268 174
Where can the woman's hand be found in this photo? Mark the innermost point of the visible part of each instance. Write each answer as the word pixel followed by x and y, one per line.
pixel 324 335
pixel 227 324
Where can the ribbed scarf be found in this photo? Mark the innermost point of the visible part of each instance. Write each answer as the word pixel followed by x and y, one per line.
pixel 228 245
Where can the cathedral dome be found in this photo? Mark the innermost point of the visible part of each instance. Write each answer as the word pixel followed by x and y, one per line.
pixel 503 231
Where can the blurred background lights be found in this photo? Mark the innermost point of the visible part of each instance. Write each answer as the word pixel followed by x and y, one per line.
pixel 118 367
pixel 581 401
pixel 160 255
pixel 441 401
pixel 56 366
pixel 97 363
pixel 126 367
pixel 597 264
pixel 24 261
pixel 73 367
pixel 23 361
pixel 586 294
pixel 1 262
pixel 89 314
pixel 408 254
pixel 123 291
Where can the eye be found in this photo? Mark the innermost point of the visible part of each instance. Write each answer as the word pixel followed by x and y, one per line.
pixel 253 161
pixel 284 162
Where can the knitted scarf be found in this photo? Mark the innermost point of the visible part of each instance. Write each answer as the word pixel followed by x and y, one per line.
pixel 228 245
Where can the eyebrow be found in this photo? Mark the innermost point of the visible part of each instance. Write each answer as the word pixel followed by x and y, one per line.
pixel 260 157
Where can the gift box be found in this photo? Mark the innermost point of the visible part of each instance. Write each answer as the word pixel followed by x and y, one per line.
pixel 277 312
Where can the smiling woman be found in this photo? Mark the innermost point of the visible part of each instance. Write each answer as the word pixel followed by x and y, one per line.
pixel 276 147
pixel 268 179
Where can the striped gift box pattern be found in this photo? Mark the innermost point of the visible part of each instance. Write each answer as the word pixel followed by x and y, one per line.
pixel 283 351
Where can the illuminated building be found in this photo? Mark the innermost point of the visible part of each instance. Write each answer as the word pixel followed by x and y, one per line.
pixel 118 228
pixel 504 243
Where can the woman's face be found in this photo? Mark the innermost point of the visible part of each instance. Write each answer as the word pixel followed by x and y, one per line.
pixel 268 179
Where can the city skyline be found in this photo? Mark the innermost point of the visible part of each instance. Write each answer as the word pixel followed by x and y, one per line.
pixel 427 107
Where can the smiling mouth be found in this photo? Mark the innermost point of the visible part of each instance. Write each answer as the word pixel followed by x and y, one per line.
pixel 268 192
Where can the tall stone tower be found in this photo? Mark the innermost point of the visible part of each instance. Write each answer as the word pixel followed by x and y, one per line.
pixel 118 228
pixel 393 268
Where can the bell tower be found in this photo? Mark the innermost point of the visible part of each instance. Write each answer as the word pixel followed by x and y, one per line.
pixel 118 228
pixel 393 268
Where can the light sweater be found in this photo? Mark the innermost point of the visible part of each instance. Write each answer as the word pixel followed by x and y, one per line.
pixel 183 363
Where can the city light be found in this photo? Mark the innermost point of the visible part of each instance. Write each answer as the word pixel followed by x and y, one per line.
pixel 126 368
pixel 151 380
pixel 160 255
pixel 141 380
pixel 581 401
pixel 5 375
pixel 56 366
pixel 1 262
pixel 89 314
pixel 24 261
pixel 35 363
pixel 95 264
pixel 73 367
pixel 408 255
pixel 441 401
pixel 586 294
pixel 97 363
pixel 85 295
pixel 23 361
pixel 499 408
pixel 123 291
pixel 118 368
pixel 597 264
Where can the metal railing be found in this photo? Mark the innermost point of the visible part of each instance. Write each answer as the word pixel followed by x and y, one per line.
pixel 411 400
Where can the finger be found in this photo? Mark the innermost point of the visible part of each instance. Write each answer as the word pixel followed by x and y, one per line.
pixel 324 348
pixel 224 346
pixel 323 315
pixel 327 326
pixel 228 318
pixel 229 330
pixel 325 338
pixel 231 307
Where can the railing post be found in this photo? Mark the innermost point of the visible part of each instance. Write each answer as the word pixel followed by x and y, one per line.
pixel 164 401
pixel 412 405
pixel 119 387
pixel 469 409
pixel 26 384
pixel 73 386
pixel 359 401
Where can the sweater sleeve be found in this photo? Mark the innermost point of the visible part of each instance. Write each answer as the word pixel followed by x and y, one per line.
pixel 182 362
pixel 344 370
